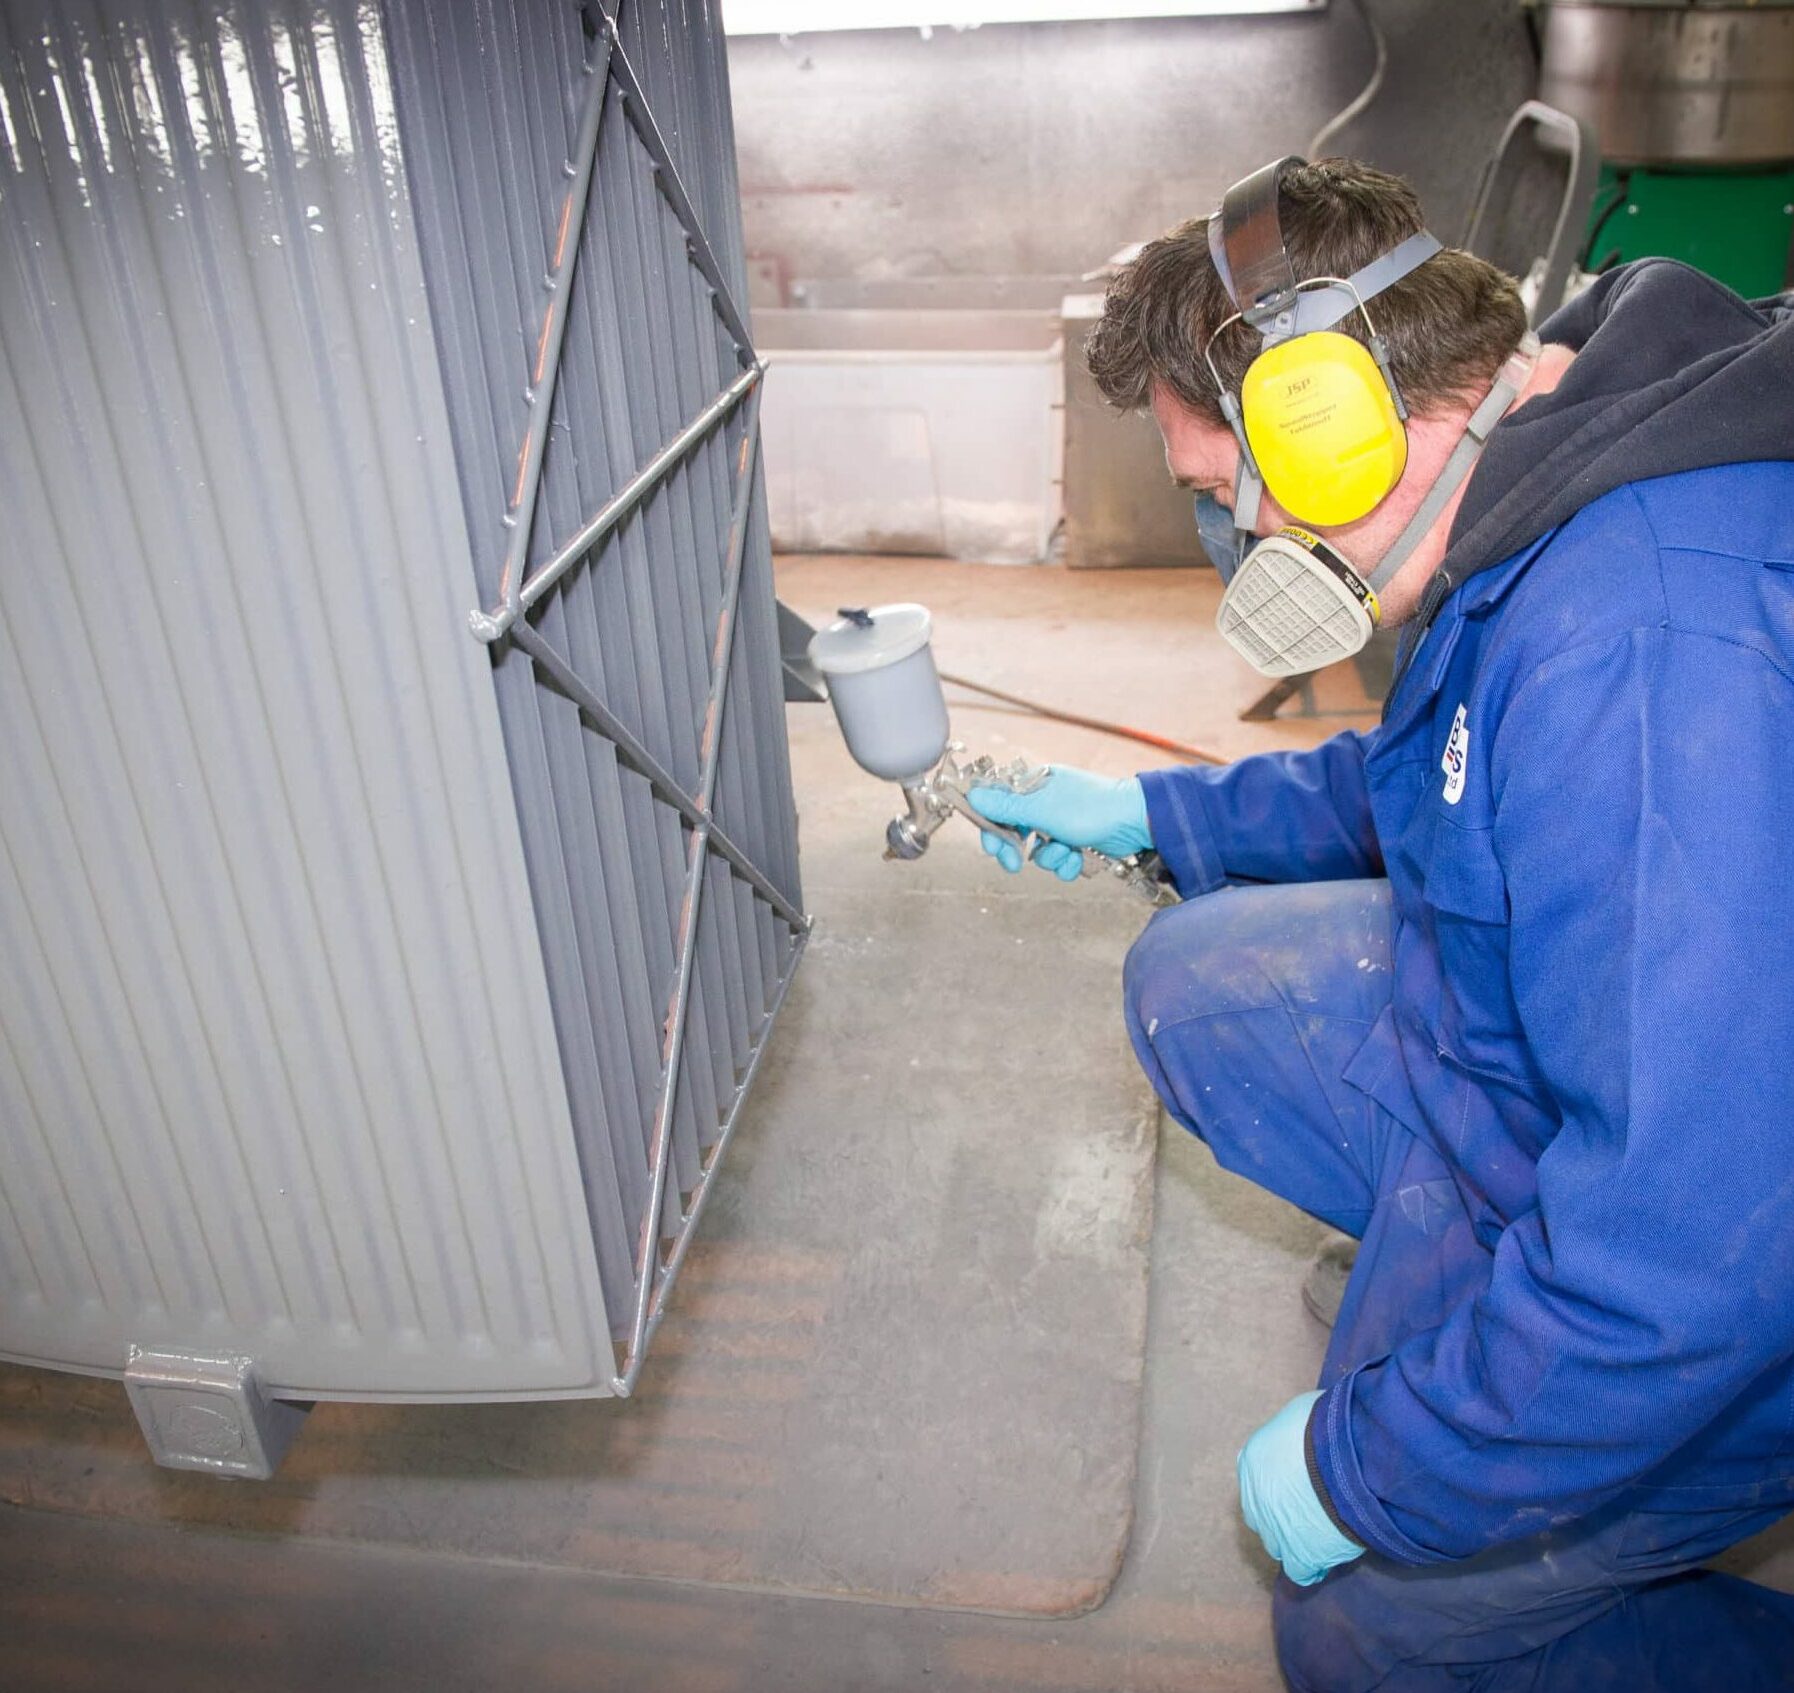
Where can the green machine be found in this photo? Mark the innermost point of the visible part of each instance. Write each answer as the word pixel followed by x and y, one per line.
pixel 1693 105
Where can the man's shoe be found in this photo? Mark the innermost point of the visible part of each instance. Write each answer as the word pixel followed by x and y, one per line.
pixel 1323 1288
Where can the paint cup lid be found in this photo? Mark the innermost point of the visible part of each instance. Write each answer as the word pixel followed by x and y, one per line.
pixel 861 640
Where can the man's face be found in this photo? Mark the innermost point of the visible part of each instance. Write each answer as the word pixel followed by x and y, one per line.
pixel 1204 457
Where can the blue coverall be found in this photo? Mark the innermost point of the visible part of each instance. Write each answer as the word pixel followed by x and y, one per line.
pixel 1527 1029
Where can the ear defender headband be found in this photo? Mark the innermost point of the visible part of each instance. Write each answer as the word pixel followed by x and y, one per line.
pixel 1319 418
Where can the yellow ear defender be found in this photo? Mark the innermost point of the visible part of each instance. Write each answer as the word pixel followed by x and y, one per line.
pixel 1323 426
pixel 1318 416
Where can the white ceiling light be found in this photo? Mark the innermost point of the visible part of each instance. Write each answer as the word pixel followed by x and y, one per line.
pixel 793 17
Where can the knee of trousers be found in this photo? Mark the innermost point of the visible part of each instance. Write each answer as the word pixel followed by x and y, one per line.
pixel 1323 1644
pixel 1193 961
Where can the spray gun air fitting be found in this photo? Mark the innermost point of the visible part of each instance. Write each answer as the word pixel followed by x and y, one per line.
pixel 887 697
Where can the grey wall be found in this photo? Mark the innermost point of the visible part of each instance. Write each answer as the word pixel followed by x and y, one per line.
pixel 1038 149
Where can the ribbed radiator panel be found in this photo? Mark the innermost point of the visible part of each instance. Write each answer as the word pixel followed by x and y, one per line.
pixel 491 97
pixel 278 1066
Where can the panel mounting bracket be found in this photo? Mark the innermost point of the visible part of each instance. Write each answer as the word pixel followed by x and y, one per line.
pixel 201 1411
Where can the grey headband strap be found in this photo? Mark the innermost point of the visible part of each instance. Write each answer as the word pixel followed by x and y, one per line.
pixel 1321 308
pixel 1245 240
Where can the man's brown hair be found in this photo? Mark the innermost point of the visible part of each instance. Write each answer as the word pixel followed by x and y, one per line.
pixel 1448 324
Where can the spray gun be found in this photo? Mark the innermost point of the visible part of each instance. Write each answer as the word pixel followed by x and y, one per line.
pixel 888 700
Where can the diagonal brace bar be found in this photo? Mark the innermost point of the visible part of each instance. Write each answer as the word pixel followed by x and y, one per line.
pixel 666 173
pixel 493 625
pixel 520 516
pixel 710 749
pixel 624 1383
pixel 634 753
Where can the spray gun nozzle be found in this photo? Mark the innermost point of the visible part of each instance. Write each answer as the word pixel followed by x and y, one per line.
pixel 907 837
pixel 903 841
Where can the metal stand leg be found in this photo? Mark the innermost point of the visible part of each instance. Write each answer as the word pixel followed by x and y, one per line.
pixel 803 681
pixel 1266 706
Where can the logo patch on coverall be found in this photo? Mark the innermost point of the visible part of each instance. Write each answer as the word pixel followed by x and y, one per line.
pixel 1457 755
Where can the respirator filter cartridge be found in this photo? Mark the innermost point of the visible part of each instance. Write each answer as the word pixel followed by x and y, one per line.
pixel 1295 605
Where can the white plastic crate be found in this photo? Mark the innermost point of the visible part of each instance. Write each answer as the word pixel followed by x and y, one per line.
pixel 913 431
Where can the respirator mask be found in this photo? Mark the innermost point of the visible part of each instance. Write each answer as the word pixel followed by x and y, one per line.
pixel 1321 423
pixel 1224 544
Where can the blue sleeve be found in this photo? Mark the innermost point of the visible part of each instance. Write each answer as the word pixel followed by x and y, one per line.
pixel 1275 817
pixel 1644 823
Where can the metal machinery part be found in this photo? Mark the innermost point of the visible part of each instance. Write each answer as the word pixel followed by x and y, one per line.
pixel 1675 83
pixel 1549 277
pixel 943 793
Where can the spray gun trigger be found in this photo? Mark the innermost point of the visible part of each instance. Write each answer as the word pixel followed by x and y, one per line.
pixel 1026 844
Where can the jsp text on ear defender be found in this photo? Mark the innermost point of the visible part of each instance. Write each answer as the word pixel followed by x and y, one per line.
pixel 1318 416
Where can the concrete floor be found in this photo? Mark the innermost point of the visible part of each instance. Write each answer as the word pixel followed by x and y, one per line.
pixel 88 1603
pixel 106 1604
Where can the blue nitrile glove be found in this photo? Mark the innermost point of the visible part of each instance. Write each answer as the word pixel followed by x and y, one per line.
pixel 1075 809
pixel 1279 1503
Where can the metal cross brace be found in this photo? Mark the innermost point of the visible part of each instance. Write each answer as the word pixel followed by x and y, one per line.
pixel 518 593
pixel 520 516
pixel 666 174
pixel 647 1305
pixel 706 836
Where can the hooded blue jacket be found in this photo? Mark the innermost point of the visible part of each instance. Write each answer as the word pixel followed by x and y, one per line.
pixel 1583 797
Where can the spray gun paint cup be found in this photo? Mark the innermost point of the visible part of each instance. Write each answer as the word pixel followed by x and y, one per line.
pixel 885 690
pixel 893 715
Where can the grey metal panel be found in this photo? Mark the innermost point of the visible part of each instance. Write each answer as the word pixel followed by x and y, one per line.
pixel 661 848
pixel 278 1070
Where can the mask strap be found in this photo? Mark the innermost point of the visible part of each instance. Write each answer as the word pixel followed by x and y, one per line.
pixel 1247 488
pixel 1512 377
